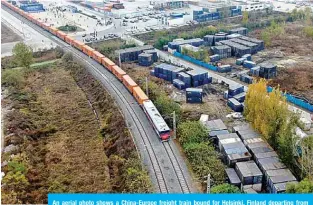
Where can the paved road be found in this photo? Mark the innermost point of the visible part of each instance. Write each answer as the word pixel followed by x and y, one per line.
pixel 29 35
pixel 144 135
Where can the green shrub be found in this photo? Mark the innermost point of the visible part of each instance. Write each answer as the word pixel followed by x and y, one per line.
pixel 13 78
pixel 192 132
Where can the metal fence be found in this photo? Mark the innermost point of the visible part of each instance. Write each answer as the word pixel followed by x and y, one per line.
pixel 195 61
pixel 294 100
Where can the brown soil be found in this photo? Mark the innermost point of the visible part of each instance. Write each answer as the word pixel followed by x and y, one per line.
pixel 295 77
pixel 8 35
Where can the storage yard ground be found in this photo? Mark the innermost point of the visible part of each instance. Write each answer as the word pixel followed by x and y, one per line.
pixel 8 35
pixel 293 53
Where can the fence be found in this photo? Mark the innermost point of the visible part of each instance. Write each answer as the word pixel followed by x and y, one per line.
pixel 294 100
pixel 195 61
pixel 290 98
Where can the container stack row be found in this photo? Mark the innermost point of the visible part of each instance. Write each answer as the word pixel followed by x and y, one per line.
pixel 223 51
pixel 275 175
pixel 237 49
pixel 206 14
pixel 241 30
pixel 253 165
pixel 174 46
pixel 180 78
pixel 132 54
pixel 236 97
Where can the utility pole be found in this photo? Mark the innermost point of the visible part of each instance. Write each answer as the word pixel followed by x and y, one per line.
pixel 174 124
pixel 147 87
pixel 119 59
pixel 208 183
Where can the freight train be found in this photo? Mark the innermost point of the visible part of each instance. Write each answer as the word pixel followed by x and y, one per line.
pixel 159 125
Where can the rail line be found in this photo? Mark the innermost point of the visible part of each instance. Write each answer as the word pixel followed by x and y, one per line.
pixel 161 182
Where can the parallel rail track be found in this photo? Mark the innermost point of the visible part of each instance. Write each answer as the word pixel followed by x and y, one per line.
pixel 160 178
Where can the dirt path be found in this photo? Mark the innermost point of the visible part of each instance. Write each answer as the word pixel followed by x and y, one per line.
pixel 8 35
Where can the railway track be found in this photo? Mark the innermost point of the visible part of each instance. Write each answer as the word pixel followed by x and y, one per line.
pixel 162 183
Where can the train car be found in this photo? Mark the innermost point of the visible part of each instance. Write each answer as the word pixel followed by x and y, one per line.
pixel 139 95
pixel 46 26
pixel 156 120
pixel 88 50
pixel 61 35
pixel 53 30
pixel 108 63
pixel 69 40
pixel 129 83
pixel 118 72
pixel 78 44
pixel 97 56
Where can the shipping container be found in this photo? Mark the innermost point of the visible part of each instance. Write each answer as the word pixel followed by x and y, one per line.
pixel 78 44
pixel 131 54
pixel 208 40
pixel 278 176
pixel 98 56
pixel 248 134
pixel 258 156
pixel 259 147
pixel 88 50
pixel 246 78
pixel 234 35
pixel 249 64
pixel 248 57
pixel 234 105
pixel 69 40
pixel 154 54
pixel 129 83
pixel 53 30
pixel 217 132
pixel 108 63
pixel 223 51
pixel 139 95
pixel 270 163
pixel 240 61
pixel 194 92
pixel 235 152
pixel 118 72
pixel 255 71
pixel 240 97
pixel 179 84
pixel 242 127
pixel 235 90
pixel 232 176
pixel 194 99
pixel 281 187
pixel 249 173
pixel 241 30
pixel 267 70
pixel 214 125
pixel 145 59
pixel 237 49
pixel 224 68
pixel 214 58
pixel 252 46
pixel 184 77
pixel 254 40
pixel 227 139
pixel 61 35
pixel 255 187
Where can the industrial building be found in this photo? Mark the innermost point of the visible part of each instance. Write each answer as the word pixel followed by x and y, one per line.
pixel 30 7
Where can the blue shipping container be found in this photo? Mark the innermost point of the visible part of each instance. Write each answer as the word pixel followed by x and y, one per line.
pixel 235 105
pixel 249 64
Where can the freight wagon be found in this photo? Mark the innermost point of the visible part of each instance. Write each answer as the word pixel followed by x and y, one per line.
pixel 152 113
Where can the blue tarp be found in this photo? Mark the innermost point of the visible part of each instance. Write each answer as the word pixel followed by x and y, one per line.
pixel 294 100
pixel 195 61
